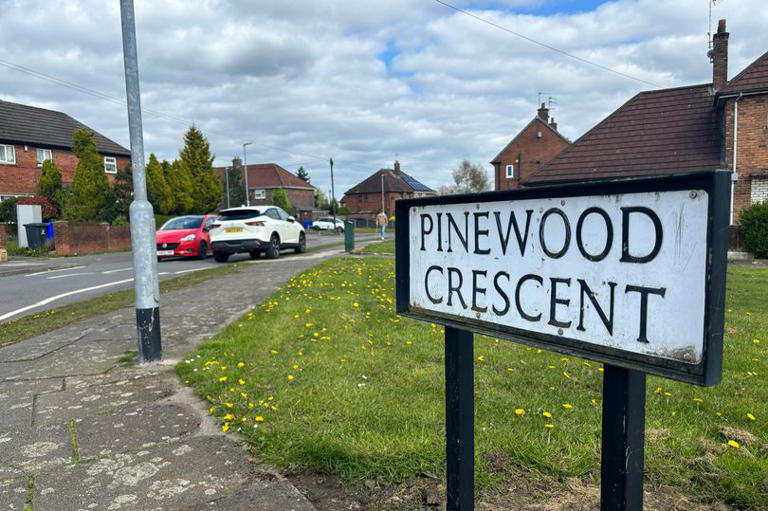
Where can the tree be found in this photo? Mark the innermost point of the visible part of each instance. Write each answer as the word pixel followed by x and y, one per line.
pixel 119 197
pixel 280 199
pixel 321 201
pixel 236 189
pixel 303 175
pixel 49 185
pixel 467 178
pixel 90 185
pixel 159 191
pixel 179 178
pixel 207 191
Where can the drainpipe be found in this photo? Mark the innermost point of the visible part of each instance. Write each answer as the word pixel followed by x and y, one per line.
pixel 734 172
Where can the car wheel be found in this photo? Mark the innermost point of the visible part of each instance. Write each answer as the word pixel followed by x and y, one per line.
pixel 339 230
pixel 202 250
pixel 302 247
pixel 273 251
pixel 220 257
pixel 254 254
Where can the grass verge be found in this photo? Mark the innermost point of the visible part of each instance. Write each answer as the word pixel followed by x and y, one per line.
pixel 382 247
pixel 324 375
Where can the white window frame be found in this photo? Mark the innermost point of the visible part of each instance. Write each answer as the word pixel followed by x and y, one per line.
pixel 5 159
pixel 259 193
pixel 44 151
pixel 510 171
pixel 110 161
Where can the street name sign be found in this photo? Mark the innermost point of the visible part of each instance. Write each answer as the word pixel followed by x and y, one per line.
pixel 626 272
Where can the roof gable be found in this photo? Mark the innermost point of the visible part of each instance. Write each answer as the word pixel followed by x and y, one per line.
pixel 272 175
pixel 535 121
pixel 753 77
pixel 47 128
pixel 656 132
pixel 393 182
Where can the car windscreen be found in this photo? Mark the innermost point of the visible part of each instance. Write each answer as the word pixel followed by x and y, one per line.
pixel 182 222
pixel 239 214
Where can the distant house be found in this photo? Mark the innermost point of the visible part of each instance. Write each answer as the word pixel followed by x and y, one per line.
pixel 382 189
pixel 265 178
pixel 536 144
pixel 30 135
pixel 683 129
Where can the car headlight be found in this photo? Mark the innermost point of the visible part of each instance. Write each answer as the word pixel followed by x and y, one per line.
pixel 189 237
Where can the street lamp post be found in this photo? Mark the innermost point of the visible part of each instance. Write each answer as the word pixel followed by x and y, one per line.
pixel 333 198
pixel 146 287
pixel 226 180
pixel 245 162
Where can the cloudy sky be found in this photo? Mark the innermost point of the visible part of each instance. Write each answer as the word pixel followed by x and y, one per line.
pixel 362 82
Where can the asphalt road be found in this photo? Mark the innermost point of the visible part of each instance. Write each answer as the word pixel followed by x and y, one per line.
pixel 89 276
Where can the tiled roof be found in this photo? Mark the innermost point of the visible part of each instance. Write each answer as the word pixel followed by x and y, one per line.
pixel 537 120
pixel 753 77
pixel 47 128
pixel 657 132
pixel 272 175
pixel 393 182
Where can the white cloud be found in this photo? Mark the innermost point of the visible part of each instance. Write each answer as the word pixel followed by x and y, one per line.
pixel 360 81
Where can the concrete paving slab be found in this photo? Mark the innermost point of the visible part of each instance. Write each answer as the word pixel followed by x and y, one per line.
pixel 13 494
pixel 258 496
pixel 34 449
pixel 17 399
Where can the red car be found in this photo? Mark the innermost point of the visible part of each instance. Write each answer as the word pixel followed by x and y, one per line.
pixel 185 236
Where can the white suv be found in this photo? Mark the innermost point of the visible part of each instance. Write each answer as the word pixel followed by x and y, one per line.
pixel 255 229
pixel 326 224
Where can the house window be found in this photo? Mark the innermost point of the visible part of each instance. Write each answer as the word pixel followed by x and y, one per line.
pixel 110 165
pixel 42 155
pixel 259 193
pixel 7 154
pixel 510 171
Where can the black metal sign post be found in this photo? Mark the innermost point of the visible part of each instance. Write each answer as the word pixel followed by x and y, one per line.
pixel 623 442
pixel 459 419
pixel 629 273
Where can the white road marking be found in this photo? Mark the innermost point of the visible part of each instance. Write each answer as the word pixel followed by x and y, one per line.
pixel 115 271
pixel 69 275
pixel 51 271
pixel 58 297
pixel 163 273
pixel 187 271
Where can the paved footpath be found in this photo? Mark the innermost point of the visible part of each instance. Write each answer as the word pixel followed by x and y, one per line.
pixel 82 430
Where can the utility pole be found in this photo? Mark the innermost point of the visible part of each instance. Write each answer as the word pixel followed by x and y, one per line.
pixel 146 287
pixel 245 162
pixel 333 198
pixel 382 191
pixel 226 180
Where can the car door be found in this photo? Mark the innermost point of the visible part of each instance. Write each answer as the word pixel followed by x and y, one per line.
pixel 276 223
pixel 207 228
pixel 290 229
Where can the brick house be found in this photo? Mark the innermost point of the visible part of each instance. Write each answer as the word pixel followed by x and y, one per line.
pixel 265 178
pixel 30 135
pixel 364 200
pixel 682 129
pixel 536 144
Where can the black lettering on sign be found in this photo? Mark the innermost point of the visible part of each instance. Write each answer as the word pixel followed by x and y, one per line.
pixel 480 232
pixel 424 232
pixel 608 229
pixel 501 292
pixel 626 257
pixel 586 291
pixel 520 283
pixel 554 301
pixel 457 288
pixel 566 241
pixel 439 232
pixel 477 290
pixel 644 292
pixel 504 238
pixel 426 284
pixel 464 239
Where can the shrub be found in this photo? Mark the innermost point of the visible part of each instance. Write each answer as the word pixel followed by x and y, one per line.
pixel 121 220
pixel 754 225
pixel 49 210
pixel 281 200
pixel 8 210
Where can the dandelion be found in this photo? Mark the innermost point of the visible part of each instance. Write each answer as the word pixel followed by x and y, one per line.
pixel 223 379
pixel 480 358
pixel 290 377
pixel 295 366
pixel 229 405
pixel 258 418
pixel 751 417
pixel 355 305
pixel 225 427
pixel 300 353
pixel 549 426
pixel 566 375
pixel 547 415
pixel 240 364
pixel 274 352
pixel 241 381
pixel 243 395
pixel 519 412
pixel 567 406
pixel 229 417
pixel 734 444
pixel 657 390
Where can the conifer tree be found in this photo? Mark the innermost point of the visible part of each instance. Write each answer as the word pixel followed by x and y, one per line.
pixel 236 188
pixel 159 192
pixel 207 191
pixel 303 175
pixel 50 185
pixel 119 197
pixel 90 185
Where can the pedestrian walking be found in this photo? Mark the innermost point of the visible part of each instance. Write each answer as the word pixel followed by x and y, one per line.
pixel 381 221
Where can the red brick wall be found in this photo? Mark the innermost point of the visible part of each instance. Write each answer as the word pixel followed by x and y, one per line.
pixel 303 200
pixel 3 235
pixel 753 146
pixel 22 178
pixel 371 202
pixel 536 153
pixel 90 238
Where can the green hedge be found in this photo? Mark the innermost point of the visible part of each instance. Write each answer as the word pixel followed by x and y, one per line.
pixel 754 225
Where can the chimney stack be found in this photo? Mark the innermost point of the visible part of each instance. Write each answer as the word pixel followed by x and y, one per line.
pixel 543 112
pixel 397 167
pixel 719 56
pixel 553 124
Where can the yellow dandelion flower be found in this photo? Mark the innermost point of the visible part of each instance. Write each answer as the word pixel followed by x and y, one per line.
pixel 290 376
pixel 241 381
pixel 243 395
pixel 751 417
pixel 567 406
pixel 250 405
pixel 225 427
pixel 480 358
pixel 223 379
pixel 229 417
pixel 241 364
pixel 229 405
pixel 697 400
pixel 211 410
pixel 549 426
pixel 547 415
pixel 734 444
pixel 519 412
pixel 258 418
pixel 566 375
pixel 223 368
pixel 295 366
pixel 300 353
pixel 355 305
pixel 271 398
pixel 657 390
pixel 668 394
pixel 551 367
pixel 274 352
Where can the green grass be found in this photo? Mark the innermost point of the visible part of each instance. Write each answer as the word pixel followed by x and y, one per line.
pixel 358 391
pixel 13 248
pixel 382 247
